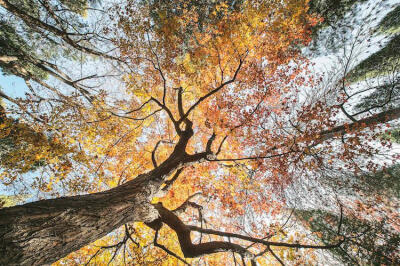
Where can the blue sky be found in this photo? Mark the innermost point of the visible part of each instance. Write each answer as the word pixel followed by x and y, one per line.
pixel 12 85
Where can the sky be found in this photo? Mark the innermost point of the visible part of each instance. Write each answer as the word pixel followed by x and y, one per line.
pixel 12 85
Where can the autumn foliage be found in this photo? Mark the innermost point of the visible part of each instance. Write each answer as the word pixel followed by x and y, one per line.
pixel 234 73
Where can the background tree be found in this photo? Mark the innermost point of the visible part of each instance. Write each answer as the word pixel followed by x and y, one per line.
pixel 369 84
pixel 39 40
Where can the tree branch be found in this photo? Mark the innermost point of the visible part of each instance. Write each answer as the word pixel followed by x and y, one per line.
pixel 30 20
pixel 140 107
pixel 167 250
pixel 261 241
pixel 220 145
pixel 153 154
pixel 189 249
pixel 195 250
pixel 275 256
pixel 187 203
pixel 212 92
pixel 250 157
pixel 180 104
pixel 169 182
pixel 378 118
pixel 209 143
pixel 171 116
pixel 5 96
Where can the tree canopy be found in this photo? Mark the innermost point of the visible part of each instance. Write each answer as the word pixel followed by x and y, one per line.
pixel 199 132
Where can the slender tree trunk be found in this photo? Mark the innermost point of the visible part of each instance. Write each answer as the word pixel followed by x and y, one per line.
pixel 379 118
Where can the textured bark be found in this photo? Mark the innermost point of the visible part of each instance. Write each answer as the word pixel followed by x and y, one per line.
pixel 41 232
pixel 7 59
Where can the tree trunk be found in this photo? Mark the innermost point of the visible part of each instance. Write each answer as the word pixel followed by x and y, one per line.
pixel 44 231
pixel 379 118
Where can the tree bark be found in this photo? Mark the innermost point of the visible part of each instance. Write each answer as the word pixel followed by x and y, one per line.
pixel 44 231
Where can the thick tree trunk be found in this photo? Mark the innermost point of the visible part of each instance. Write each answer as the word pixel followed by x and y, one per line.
pixel 44 231
pixel 41 232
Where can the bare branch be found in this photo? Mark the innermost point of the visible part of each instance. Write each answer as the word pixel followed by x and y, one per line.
pixel 153 153
pixel 268 243
pixel 171 116
pixel 209 143
pixel 93 256
pixel 347 114
pixel 140 107
pixel 136 119
pixel 128 234
pixel 220 145
pixel 180 104
pixel 340 219
pixel 158 68
pixel 378 118
pixel 250 158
